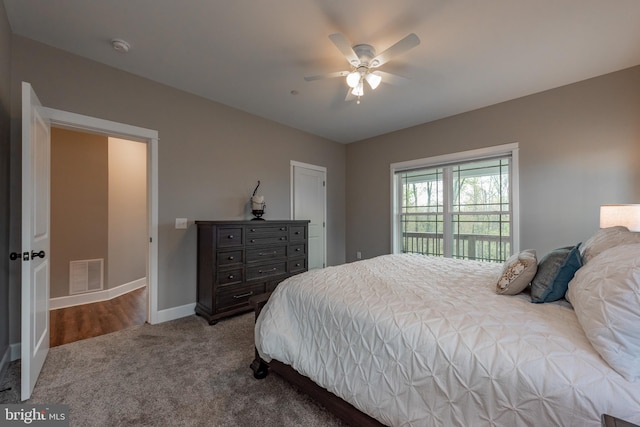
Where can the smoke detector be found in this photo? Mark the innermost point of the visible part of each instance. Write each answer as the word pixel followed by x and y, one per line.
pixel 120 45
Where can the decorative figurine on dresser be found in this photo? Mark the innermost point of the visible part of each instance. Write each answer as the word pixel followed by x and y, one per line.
pixel 239 259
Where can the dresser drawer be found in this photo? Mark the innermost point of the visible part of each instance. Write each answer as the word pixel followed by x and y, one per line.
pixel 297 265
pixel 297 233
pixel 297 250
pixel 237 295
pixel 266 239
pixel 228 236
pixel 267 229
pixel 230 277
pixel 266 270
pixel 229 258
pixel 267 253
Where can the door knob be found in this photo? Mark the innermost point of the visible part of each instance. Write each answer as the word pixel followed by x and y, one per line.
pixel 35 254
pixel 14 256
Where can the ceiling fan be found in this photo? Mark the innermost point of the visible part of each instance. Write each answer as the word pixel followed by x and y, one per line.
pixel 364 63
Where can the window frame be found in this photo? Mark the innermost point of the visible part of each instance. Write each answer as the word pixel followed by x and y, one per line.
pixel 511 149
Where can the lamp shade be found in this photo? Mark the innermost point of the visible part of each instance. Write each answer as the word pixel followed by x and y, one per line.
pixel 373 80
pixel 353 78
pixel 358 90
pixel 625 215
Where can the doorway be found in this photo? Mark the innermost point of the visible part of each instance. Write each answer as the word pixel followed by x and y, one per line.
pixel 309 201
pixel 92 125
pixel 36 123
pixel 98 235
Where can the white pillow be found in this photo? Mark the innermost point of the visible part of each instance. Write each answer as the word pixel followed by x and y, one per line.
pixel 605 294
pixel 606 238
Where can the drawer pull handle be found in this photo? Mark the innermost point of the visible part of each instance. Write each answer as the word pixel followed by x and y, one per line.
pixel 230 276
pixel 268 253
pixel 230 236
pixel 267 271
pixel 253 240
pixel 283 229
pixel 248 294
pixel 297 249
pixel 297 232
pixel 253 230
pixel 297 264
pixel 283 238
pixel 230 258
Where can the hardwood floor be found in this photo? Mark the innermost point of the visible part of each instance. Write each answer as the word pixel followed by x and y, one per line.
pixel 90 320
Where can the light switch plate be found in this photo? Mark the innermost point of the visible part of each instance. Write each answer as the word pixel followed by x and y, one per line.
pixel 181 223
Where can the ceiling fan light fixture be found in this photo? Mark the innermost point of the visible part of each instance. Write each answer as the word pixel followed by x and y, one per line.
pixel 358 90
pixel 363 60
pixel 373 80
pixel 353 78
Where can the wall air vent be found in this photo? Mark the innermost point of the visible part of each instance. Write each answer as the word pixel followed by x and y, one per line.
pixel 86 276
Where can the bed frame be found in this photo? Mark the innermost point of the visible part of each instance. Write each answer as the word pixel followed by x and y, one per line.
pixel 338 407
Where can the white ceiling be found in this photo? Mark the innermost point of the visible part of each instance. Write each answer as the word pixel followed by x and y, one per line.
pixel 251 54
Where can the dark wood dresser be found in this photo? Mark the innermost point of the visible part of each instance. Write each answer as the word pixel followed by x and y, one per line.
pixel 239 259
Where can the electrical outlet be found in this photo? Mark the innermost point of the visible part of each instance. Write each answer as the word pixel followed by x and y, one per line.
pixel 358 255
pixel 181 223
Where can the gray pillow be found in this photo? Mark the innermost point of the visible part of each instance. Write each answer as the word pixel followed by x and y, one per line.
pixel 555 271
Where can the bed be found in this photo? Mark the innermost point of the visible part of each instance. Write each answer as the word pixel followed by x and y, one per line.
pixel 418 340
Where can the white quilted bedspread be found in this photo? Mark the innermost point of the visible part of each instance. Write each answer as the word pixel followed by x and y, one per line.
pixel 426 341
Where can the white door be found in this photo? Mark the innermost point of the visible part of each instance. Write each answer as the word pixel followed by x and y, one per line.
pixel 309 202
pixel 35 239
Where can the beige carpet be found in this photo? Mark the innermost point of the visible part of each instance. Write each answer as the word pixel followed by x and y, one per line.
pixel 179 373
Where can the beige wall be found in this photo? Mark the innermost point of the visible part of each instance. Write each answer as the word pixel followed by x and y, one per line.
pixel 579 148
pixel 128 231
pixel 5 73
pixel 210 156
pixel 79 203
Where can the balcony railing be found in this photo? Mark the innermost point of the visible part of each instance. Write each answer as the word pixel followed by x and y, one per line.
pixel 465 246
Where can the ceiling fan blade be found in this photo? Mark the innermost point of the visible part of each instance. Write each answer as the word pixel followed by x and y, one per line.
pixel 326 76
pixel 391 78
pixel 400 47
pixel 344 46
pixel 350 96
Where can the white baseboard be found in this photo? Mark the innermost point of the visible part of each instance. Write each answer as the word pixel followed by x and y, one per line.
pixel 4 362
pixel 175 313
pixel 91 297
pixel 16 351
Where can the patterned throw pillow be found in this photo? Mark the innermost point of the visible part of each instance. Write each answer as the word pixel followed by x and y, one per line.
pixel 517 272
pixel 555 271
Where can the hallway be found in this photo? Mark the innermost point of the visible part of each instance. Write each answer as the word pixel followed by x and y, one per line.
pixel 91 320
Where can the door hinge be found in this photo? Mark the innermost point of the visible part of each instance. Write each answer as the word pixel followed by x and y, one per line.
pixel 324 225
pixel 324 183
pixel 150 239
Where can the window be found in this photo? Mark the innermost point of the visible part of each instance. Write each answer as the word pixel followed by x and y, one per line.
pixel 461 206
